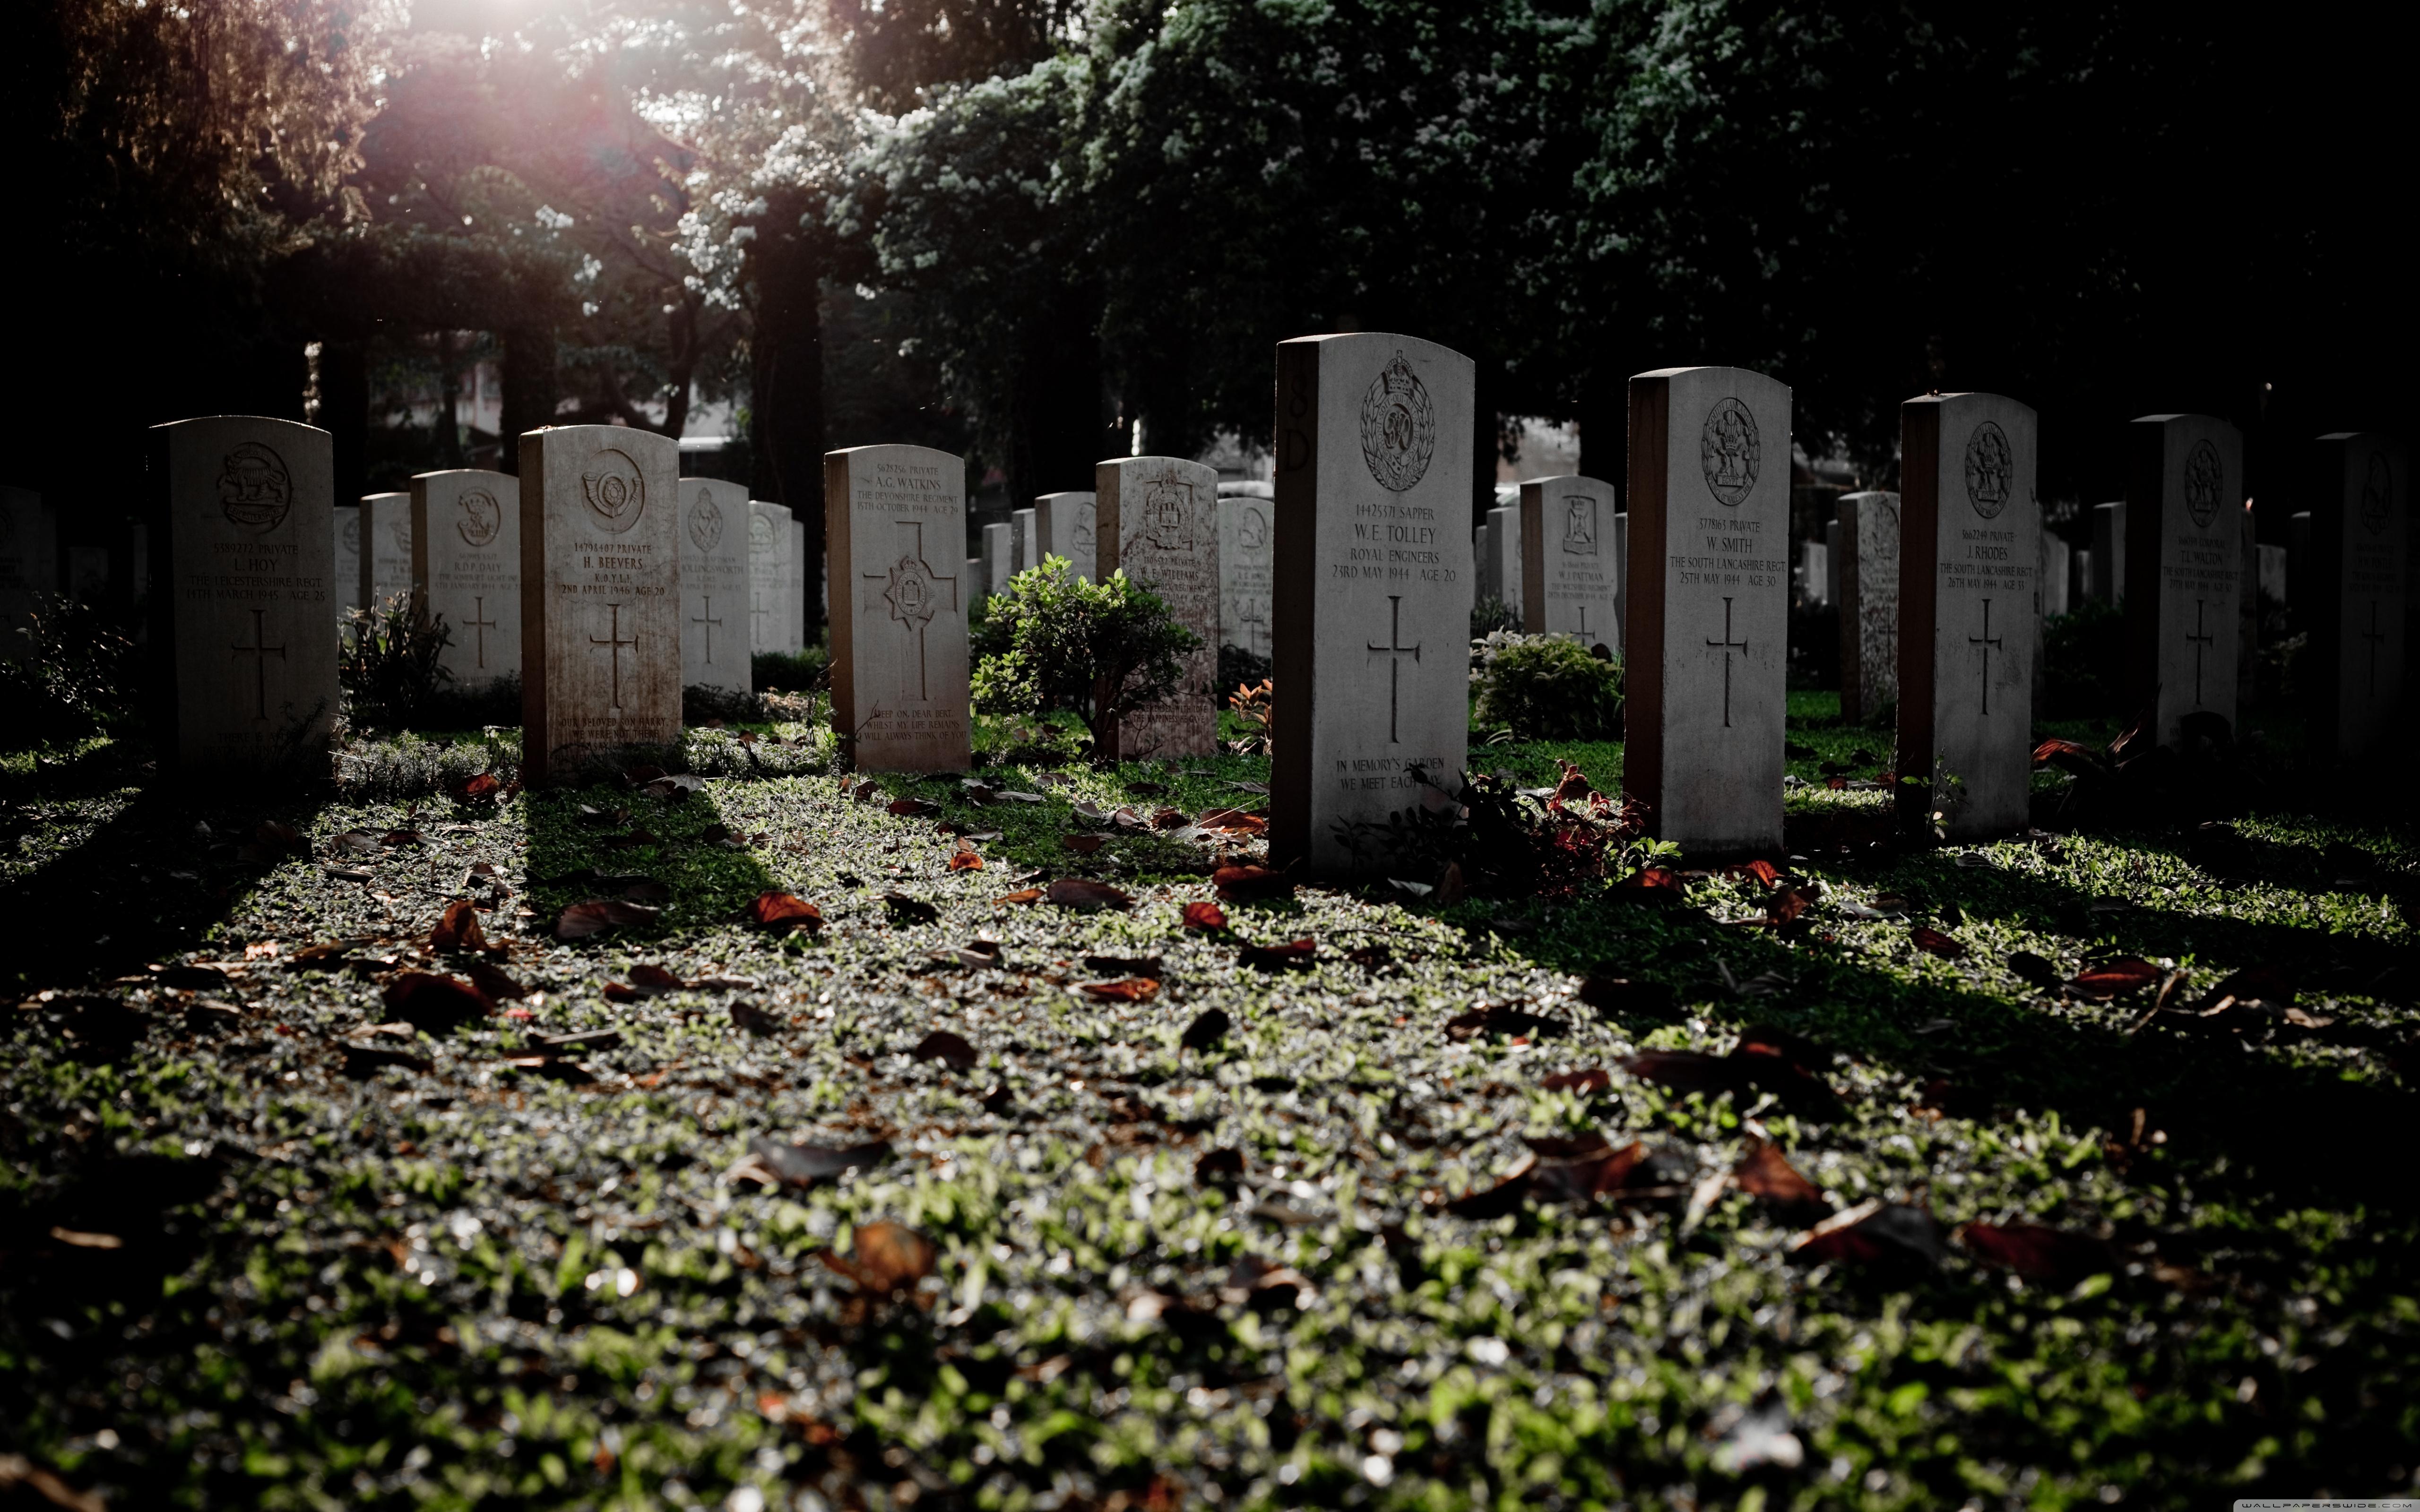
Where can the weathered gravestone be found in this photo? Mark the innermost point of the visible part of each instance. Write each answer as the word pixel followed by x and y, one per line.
pixel 2183 556
pixel 348 561
pixel 1970 565
pixel 601 598
pixel 2360 492
pixel 466 556
pixel 716 599
pixel 797 585
pixel 2109 552
pixel 1158 521
pixel 1814 574
pixel 1065 524
pixel 1571 560
pixel 1246 534
pixel 1503 572
pixel 2056 568
pixel 1869 547
pixel 768 573
pixel 1024 541
pixel 895 523
pixel 2247 619
pixel 1372 591
pixel 999 558
pixel 1709 605
pixel 386 547
pixel 30 565
pixel 245 551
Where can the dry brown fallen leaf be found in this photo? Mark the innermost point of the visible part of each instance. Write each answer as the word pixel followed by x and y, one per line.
pixel 785 911
pixel 1075 892
pixel 458 929
pixel 885 1259
pixel 1129 990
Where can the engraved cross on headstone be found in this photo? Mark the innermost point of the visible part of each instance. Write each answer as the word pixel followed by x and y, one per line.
pixel 756 613
pixel 480 623
pixel 2376 637
pixel 707 619
pixel 2202 640
pixel 1987 642
pixel 259 653
pixel 909 583
pixel 1255 620
pixel 1727 645
pixel 614 639
pixel 1395 651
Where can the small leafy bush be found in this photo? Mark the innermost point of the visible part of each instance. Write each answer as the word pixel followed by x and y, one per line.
pixel 1548 687
pixel 1054 641
pixel 1484 835
pixel 1255 708
pixel 388 662
pixel 65 674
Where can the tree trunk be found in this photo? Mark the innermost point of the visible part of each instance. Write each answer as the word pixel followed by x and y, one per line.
pixel 787 404
pixel 529 391
pixel 449 402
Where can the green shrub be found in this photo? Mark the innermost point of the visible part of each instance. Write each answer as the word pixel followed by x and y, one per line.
pixel 1548 687
pixel 63 674
pixel 1491 615
pixel 1097 649
pixel 389 661
pixel 786 672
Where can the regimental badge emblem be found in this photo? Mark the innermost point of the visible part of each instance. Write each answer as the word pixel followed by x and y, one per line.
pixel 615 489
pixel 353 533
pixel 1728 451
pixel 255 488
pixel 705 522
pixel 2377 495
pixel 1579 525
pixel 2205 483
pixel 399 533
pixel 1398 427
pixel 911 594
pixel 1991 470
pixel 760 533
pixel 1168 513
pixel 1084 539
pixel 482 516
pixel 1254 530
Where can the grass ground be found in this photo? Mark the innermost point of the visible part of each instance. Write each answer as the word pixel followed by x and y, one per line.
pixel 256 1249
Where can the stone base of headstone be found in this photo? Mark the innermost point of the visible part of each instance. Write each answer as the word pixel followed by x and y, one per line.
pixel 1970 555
pixel 601 601
pixel 1158 523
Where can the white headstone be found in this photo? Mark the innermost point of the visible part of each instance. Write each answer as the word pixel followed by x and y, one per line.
pixel 1814 573
pixel 2109 552
pixel 29 564
pixel 1246 534
pixel 1024 541
pixel 716 643
pixel 1064 522
pixel 895 523
pixel 386 547
pixel 466 555
pixel 2184 554
pixel 2361 516
pixel 1158 519
pixel 250 549
pixel 2056 568
pixel 999 558
pixel 600 604
pixel 1709 605
pixel 1970 562
pixel 768 572
pixel 1372 591
pixel 349 560
pixel 1571 562
pixel 1504 556
pixel 2273 572
pixel 1869 547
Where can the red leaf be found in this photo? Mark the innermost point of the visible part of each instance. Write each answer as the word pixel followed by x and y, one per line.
pixel 1025 895
pixel 1764 872
pixel 2114 979
pixel 1233 822
pixel 1595 1173
pixel 482 786
pixel 1764 1173
pixel 1279 957
pixel 1074 892
pixel 2051 749
pixel 495 983
pixel 597 915
pixel 1573 785
pixel 432 1002
pixel 783 911
pixel 950 1049
pixel 1649 882
pixel 2039 1253
pixel 656 979
pixel 1130 989
pixel 1204 917
pixel 458 929
pixel 1873 1232
pixel 1786 904
pixel 906 808
pixel 1250 883
pixel 965 861
pixel 1936 942
pixel 886 1259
